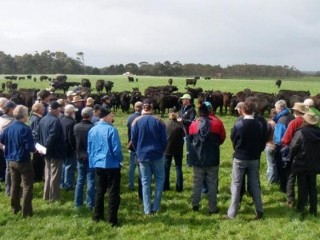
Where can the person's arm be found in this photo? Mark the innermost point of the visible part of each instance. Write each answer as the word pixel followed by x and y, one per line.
pixel 27 139
pixel 295 145
pixel 71 137
pixel 116 145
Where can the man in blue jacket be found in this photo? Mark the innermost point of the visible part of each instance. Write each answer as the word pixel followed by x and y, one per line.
pixel 18 142
pixel 50 135
pixel 149 139
pixel 105 155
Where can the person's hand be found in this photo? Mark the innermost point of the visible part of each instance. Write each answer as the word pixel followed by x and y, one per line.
pixel 179 119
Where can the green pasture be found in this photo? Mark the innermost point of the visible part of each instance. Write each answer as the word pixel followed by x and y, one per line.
pixel 176 220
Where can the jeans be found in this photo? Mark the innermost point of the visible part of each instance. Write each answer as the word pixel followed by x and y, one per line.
pixel 21 173
pixel 85 173
pixel 238 169
pixel 210 175
pixel 281 170
pixel 68 172
pixel 179 175
pixel 132 168
pixel 188 146
pixel 147 169
pixel 272 171
pixel 307 187
pixel 107 179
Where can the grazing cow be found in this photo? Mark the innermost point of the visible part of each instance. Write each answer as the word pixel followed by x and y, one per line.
pixel 14 86
pixel 191 81
pixel 108 86
pixel 3 86
pixel 115 101
pixel 61 78
pixel 137 79
pixel 286 94
pixel 99 85
pixel 261 104
pixel 278 83
pixel 194 92
pixel 216 100
pixel 130 79
pixel 7 77
pixel 152 90
pixel 170 81
pixel 207 78
pixel 167 101
pixel 85 82
pixel 29 77
pixel 63 85
pixel 197 77
pixel 43 77
pixel 22 78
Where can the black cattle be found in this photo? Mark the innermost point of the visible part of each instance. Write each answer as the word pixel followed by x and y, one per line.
pixel 286 95
pixel 125 101
pixel 7 77
pixel 43 77
pixel 108 86
pixel 278 83
pixel 170 81
pixel 34 79
pixel 194 92
pixel 152 90
pixel 167 101
pixel 135 96
pixel 293 99
pixel 130 79
pixel 3 86
pixel 85 83
pixel 22 78
pixel 216 100
pixel 27 96
pixel 99 85
pixel 115 101
pixel 63 85
pixel 207 78
pixel 261 104
pixel 197 77
pixel 191 81
pixel 227 96
pixel 14 86
pixel 29 77
pixel 61 78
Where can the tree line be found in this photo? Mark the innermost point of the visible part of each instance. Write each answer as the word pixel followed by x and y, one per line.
pixel 48 62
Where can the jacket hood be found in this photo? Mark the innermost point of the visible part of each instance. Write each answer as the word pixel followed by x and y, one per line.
pixel 284 112
pixel 312 133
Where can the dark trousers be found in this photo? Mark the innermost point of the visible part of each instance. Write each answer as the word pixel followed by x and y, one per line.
pixel 282 172
pixel 307 187
pixel 2 166
pixel 179 175
pixel 21 173
pixel 107 180
pixel 290 184
pixel 38 167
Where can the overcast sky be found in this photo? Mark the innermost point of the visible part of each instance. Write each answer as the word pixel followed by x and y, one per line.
pixel 225 32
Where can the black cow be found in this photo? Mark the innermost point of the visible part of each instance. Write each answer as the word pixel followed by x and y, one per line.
pixel 14 86
pixel 29 77
pixel 191 81
pixel 86 83
pixel 3 86
pixel 108 86
pixel 194 92
pixel 99 85
pixel 130 79
pixel 63 85
pixel 125 101
pixel 286 95
pixel 43 77
pixel 167 101
pixel 278 83
pixel 216 100
pixel 170 81
pixel 22 78
pixel 61 78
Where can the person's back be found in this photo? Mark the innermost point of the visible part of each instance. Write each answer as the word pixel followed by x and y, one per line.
pixel 81 131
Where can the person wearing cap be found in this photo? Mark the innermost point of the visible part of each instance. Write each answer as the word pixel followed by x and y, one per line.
pixel 309 103
pixel 299 109
pixel 149 139
pixel 37 111
pixel 45 97
pixel 207 133
pixel 70 94
pixel 248 142
pixel 50 135
pixel 305 161
pixel 174 149
pixel 187 115
pixel 85 174
pixel 62 102
pixel 133 156
pixel 96 112
pixel 19 143
pixel 105 155
pixel 70 162
pixel 78 102
pixel 6 120
pixel 282 120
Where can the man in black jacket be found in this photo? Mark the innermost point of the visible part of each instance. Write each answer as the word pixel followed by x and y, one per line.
pixel 51 137
pixel 69 163
pixel 81 131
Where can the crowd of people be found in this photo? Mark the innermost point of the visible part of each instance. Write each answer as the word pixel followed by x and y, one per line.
pixel 73 137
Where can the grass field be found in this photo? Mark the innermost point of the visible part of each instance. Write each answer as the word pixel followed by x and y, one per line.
pixel 176 220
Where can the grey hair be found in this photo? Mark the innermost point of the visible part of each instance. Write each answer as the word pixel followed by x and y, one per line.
pixel 20 112
pixel 281 104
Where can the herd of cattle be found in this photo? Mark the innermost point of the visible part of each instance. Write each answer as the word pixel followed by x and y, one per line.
pixel 163 97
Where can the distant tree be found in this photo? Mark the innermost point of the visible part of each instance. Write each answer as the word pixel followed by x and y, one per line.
pixel 81 59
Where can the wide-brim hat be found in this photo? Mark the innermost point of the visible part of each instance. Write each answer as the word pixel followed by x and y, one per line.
pixel 311 118
pixel 90 101
pixel 186 96
pixel 77 99
pixel 300 107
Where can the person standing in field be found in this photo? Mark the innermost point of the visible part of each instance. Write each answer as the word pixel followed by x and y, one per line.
pixel 299 110
pixel 187 116
pixel 38 160
pixel 282 120
pixel 149 139
pixel 44 98
pixel 248 142
pixel 19 142
pixel 272 172
pixel 105 155
pixel 85 174
pixel 50 135
pixel 175 136
pixel 305 161
pixel 206 134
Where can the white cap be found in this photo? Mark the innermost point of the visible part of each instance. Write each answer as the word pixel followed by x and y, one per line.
pixel 70 108
pixel 70 93
pixel 308 102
